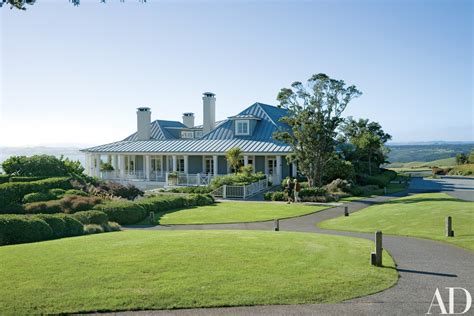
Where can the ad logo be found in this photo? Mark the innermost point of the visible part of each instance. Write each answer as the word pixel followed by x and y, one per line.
pixel 450 311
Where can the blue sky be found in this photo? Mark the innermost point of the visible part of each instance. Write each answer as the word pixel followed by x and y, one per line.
pixel 75 75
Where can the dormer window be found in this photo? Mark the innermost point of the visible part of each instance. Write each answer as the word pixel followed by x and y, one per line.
pixel 242 127
pixel 187 134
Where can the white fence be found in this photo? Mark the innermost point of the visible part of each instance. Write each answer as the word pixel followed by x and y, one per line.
pixel 182 179
pixel 132 175
pixel 241 191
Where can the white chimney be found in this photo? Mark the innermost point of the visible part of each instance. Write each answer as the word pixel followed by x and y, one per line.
pixel 188 119
pixel 209 111
pixel 143 123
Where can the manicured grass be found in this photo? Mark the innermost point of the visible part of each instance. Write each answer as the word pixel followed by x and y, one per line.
pixel 391 188
pixel 421 215
pixel 133 270
pixel 236 212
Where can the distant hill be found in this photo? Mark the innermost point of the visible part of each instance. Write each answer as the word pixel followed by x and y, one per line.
pixel 427 152
pixel 441 163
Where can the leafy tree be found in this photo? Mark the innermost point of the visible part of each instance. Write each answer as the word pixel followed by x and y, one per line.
pixel 314 114
pixel 20 4
pixel 234 156
pixel 368 139
pixel 471 157
pixel 462 159
pixel 41 166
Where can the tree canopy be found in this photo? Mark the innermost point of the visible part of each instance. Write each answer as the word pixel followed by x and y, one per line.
pixel 41 166
pixel 234 156
pixel 314 114
pixel 368 139
pixel 21 4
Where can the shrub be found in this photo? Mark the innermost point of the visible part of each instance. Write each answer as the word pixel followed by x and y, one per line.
pixel 114 227
pixel 236 179
pixel 267 196
pixel 4 178
pixel 338 185
pixel 91 217
pixel 338 169
pixel 74 203
pixel 13 209
pixel 13 192
pixel 123 212
pixel 279 196
pixel 38 197
pixel 381 180
pixel 93 229
pixel 462 170
pixel 196 189
pixel 68 204
pixel 76 192
pixel 25 179
pixel 16 229
pixel 57 192
pixel 41 166
pixel 73 226
pixel 47 207
pixel 57 224
pixel 311 192
pixel 129 192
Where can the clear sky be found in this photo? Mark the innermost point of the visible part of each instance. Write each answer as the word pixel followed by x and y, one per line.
pixel 75 75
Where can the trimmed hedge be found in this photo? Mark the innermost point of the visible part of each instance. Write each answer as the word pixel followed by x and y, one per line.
pixel 123 212
pixel 13 192
pixel 91 217
pixel 38 197
pixel 17 229
pixel 76 192
pixel 4 178
pixel 25 179
pixel 381 180
pixel 127 212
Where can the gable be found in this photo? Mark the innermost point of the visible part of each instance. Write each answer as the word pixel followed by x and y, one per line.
pixel 161 130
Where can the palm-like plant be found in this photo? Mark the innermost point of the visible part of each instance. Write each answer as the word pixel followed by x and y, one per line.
pixel 234 156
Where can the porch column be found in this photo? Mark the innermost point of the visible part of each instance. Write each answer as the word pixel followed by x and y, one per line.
pixel 97 166
pixel 294 169
pixel 215 161
pixel 278 171
pixel 246 160
pixel 185 158
pixel 203 165
pixel 147 167
pixel 175 163
pixel 122 166
pixel 87 164
pixel 266 165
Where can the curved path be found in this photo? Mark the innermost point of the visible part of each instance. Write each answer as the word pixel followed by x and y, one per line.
pixel 423 266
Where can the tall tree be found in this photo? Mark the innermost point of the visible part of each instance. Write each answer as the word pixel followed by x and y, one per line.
pixel 20 4
pixel 314 114
pixel 234 156
pixel 368 138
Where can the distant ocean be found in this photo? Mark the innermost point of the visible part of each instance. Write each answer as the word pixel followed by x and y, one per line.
pixel 72 153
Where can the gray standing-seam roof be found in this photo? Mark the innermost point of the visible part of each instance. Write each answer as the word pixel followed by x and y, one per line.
pixel 219 140
pixel 191 146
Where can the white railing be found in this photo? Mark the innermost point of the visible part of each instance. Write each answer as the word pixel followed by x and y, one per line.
pixel 182 179
pixel 241 191
pixel 132 175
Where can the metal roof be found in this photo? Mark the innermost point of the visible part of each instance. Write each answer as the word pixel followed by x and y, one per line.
pixel 219 140
pixel 191 146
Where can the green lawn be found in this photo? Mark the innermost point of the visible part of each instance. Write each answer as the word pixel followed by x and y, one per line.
pixel 391 188
pixel 133 270
pixel 236 212
pixel 421 215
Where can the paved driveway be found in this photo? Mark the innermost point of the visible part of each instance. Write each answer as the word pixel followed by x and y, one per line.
pixel 460 187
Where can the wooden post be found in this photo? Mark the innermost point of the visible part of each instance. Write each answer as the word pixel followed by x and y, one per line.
pixel 346 211
pixel 152 217
pixel 224 191
pixel 449 227
pixel 376 257
pixel 276 224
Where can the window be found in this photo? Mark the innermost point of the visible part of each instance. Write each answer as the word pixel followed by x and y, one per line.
pixel 187 134
pixel 180 165
pixel 241 127
pixel 209 166
pixel 198 134
pixel 156 164
pixel 271 165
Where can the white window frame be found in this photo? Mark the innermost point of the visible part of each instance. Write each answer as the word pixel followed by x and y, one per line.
pixel 157 164
pixel 187 134
pixel 180 164
pixel 198 134
pixel 243 123
pixel 209 162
